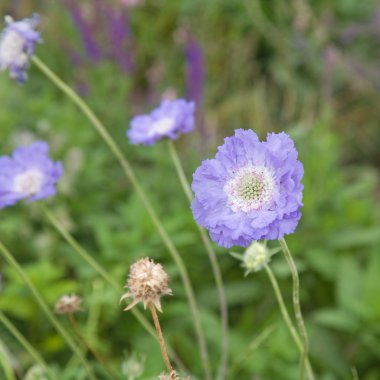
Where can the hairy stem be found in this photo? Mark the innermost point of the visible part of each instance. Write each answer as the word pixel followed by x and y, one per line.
pixel 296 303
pixel 160 338
pixel 287 319
pixel 214 264
pixel 45 308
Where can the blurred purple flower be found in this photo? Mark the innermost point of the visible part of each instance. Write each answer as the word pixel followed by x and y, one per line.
pixel 195 71
pixel 17 44
pixel 169 120
pixel 132 3
pixel 250 191
pixel 29 173
pixel 120 36
pixel 87 33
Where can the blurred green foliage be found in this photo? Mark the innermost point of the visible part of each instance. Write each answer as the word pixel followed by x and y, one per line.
pixel 270 66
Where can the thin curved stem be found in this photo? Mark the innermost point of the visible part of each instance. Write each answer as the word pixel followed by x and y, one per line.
pixel 28 347
pixel 287 319
pixel 97 124
pixel 160 338
pixel 94 352
pixel 296 303
pixel 253 345
pixel 214 264
pixel 45 308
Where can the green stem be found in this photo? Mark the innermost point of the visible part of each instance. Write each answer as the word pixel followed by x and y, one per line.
pixel 287 319
pixel 6 364
pixel 214 264
pixel 86 344
pixel 28 347
pixel 296 303
pixel 253 345
pixel 45 308
pixel 96 123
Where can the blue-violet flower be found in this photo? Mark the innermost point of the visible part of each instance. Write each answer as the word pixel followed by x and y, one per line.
pixel 17 43
pixel 250 191
pixel 29 173
pixel 170 119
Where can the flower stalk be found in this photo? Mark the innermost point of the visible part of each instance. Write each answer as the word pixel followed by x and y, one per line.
pixel 160 337
pixel 288 321
pixel 297 304
pixel 93 351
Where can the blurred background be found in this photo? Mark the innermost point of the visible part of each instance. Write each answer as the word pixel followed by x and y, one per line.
pixel 309 68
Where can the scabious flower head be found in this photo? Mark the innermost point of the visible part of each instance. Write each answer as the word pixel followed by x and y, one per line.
pixel 68 304
pixel 169 120
pixel 250 191
pixel 29 173
pixel 17 43
pixel 147 282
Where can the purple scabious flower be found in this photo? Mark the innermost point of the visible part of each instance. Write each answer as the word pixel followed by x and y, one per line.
pixel 29 173
pixel 17 43
pixel 250 191
pixel 170 119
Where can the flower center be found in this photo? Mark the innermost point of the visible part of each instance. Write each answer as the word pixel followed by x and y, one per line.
pixel 29 182
pixel 162 126
pixel 11 49
pixel 250 188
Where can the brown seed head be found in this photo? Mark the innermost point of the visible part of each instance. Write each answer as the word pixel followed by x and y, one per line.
pixel 172 376
pixel 68 304
pixel 147 282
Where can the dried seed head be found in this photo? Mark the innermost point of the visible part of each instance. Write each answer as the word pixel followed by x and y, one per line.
pixel 68 304
pixel 172 376
pixel 147 282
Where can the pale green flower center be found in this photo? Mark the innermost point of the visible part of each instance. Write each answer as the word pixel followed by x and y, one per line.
pixel 250 188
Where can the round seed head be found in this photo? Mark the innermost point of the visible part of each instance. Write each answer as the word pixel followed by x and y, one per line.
pixel 147 282
pixel 68 304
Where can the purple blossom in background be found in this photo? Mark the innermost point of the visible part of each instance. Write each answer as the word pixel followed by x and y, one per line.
pixel 132 3
pixel 105 33
pixel 86 31
pixel 170 119
pixel 29 173
pixel 120 37
pixel 194 71
pixel 250 191
pixel 17 44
